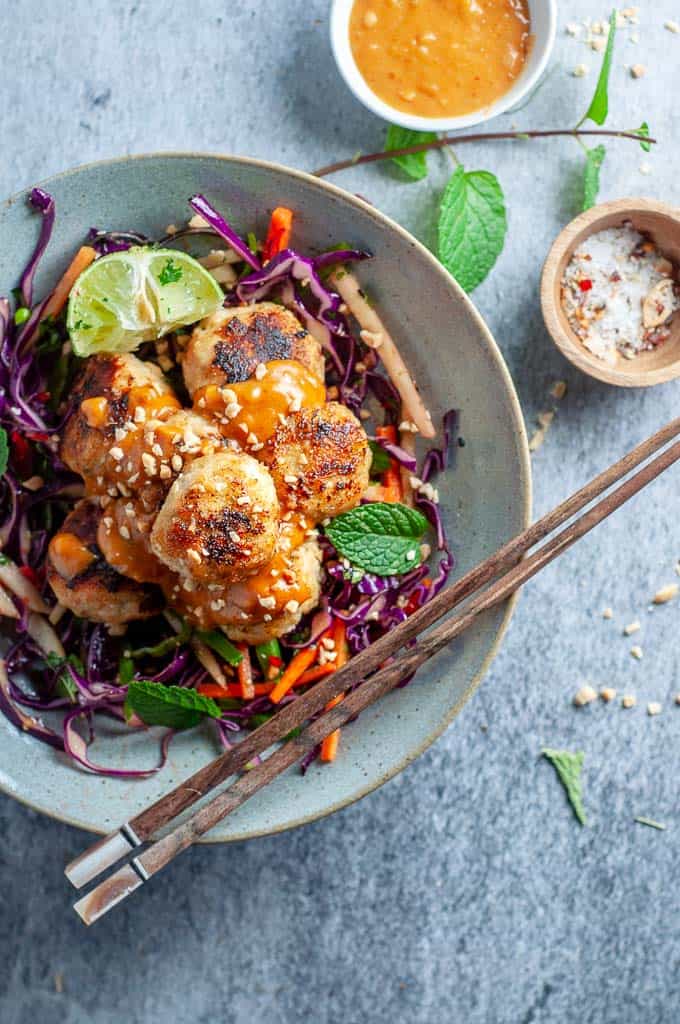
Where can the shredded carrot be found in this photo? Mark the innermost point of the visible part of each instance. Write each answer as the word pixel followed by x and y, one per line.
pixel 314 673
pixel 329 745
pixel 57 299
pixel 340 639
pixel 299 664
pixel 245 673
pixel 218 692
pixel 278 235
pixel 391 478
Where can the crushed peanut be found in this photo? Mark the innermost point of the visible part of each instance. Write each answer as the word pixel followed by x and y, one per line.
pixel 586 695
pixel 666 593
pixel 608 694
pixel 628 701
pixel 653 708
pixel 631 628
pixel 636 652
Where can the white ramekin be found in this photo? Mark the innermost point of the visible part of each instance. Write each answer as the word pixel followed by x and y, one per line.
pixel 543 15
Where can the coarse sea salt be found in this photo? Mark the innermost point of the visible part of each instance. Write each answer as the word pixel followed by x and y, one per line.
pixel 618 293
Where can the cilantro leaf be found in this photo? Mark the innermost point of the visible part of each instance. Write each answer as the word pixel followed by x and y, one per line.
pixel 381 461
pixel 172 706
pixel 382 538
pixel 591 175
pixel 472 226
pixel 568 767
pixel 4 450
pixel 599 105
pixel 643 133
pixel 220 644
pixel 169 273
pixel 414 165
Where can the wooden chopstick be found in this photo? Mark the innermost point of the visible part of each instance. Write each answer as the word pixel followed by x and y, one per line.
pixel 108 851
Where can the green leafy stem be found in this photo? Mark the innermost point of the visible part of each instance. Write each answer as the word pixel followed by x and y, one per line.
pixel 635 134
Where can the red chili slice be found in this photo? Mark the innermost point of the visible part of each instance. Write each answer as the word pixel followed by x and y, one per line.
pixel 585 285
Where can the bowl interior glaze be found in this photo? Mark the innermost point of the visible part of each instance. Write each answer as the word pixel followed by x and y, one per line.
pixel 485 498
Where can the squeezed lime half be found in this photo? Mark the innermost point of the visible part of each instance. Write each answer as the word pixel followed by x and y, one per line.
pixel 126 298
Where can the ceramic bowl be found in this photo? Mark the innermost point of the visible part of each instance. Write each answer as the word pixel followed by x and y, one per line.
pixel 485 498
pixel 543 15
pixel 662 223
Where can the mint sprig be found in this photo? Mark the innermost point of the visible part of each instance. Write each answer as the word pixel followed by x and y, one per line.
pixel 383 538
pixel 568 767
pixel 472 225
pixel 172 706
pixel 414 165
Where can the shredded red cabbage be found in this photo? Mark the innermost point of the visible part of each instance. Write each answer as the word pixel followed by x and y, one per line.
pixel 81 690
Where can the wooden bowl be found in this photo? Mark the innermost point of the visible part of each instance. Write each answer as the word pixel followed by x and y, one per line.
pixel 662 224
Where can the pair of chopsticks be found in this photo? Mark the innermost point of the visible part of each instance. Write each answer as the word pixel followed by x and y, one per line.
pixel 379 669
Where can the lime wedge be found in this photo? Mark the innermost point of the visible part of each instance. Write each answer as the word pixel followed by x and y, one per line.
pixel 129 297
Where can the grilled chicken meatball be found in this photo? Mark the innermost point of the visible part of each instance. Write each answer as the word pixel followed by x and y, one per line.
pixel 256 609
pixel 85 583
pixel 105 398
pixel 319 460
pixel 220 519
pixel 226 347
pixel 149 455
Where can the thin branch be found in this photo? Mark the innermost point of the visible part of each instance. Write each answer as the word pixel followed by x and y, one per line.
pixel 457 140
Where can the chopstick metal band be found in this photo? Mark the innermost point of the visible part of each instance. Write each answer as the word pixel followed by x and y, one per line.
pixel 104 854
pixel 108 893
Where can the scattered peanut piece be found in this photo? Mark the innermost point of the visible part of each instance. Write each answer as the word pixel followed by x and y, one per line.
pixel 645 167
pixel 536 440
pixel 572 29
pixel 586 695
pixel 653 708
pixel 628 701
pixel 666 593
pixel 558 389
pixel 608 694
pixel 638 71
pixel 636 651
pixel 631 628
pixel 672 26
pixel 607 613
pixel 580 71
pixel 598 44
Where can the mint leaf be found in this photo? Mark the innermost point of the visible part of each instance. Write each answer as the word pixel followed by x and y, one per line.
pixel 382 538
pixel 169 274
pixel 218 642
pixel 415 164
pixel 643 132
pixel 171 706
pixel 4 450
pixel 599 105
pixel 591 175
pixel 381 461
pixel 568 767
pixel 472 226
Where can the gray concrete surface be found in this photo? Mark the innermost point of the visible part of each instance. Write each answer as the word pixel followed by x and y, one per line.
pixel 463 890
